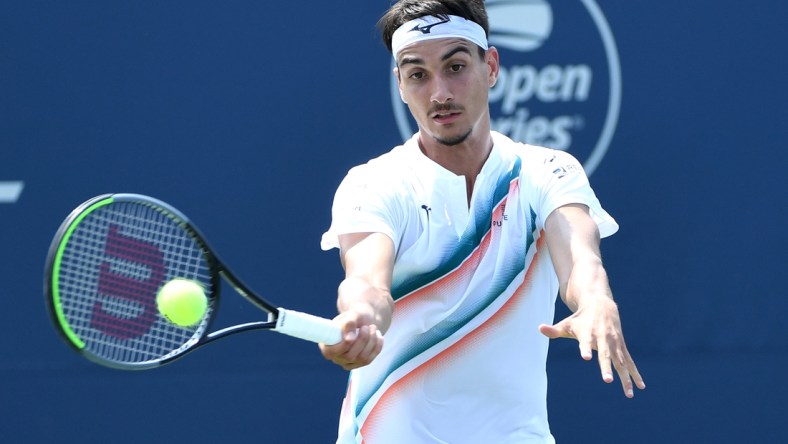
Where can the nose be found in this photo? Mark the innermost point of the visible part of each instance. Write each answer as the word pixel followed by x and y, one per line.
pixel 441 93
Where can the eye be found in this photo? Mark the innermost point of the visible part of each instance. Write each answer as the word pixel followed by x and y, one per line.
pixel 457 67
pixel 418 75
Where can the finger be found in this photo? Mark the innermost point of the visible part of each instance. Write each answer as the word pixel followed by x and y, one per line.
pixel 549 331
pixel 349 331
pixel 379 343
pixel 358 344
pixel 633 371
pixel 370 342
pixel 626 384
pixel 555 331
pixel 619 362
pixel 334 351
pixel 603 356
pixel 585 343
pixel 585 339
pixel 371 350
pixel 586 349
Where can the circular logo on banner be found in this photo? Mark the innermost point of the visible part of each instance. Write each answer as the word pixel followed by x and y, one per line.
pixel 560 79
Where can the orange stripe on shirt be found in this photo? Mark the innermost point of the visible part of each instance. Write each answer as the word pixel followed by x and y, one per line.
pixel 443 358
pixel 464 272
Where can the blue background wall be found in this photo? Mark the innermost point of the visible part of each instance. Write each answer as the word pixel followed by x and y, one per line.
pixel 246 114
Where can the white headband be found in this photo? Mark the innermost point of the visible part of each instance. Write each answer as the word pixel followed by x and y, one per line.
pixel 431 27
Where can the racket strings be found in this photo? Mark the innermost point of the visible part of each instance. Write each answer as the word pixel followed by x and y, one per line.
pixel 115 261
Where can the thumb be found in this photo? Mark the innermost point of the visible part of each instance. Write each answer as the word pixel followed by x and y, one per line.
pixel 349 330
pixel 558 330
pixel 348 324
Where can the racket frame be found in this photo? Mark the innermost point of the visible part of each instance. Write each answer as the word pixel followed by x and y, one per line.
pixel 218 273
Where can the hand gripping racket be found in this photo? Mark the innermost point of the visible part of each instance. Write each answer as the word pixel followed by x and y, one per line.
pixel 105 266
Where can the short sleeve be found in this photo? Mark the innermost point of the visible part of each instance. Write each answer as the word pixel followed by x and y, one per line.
pixel 362 204
pixel 563 182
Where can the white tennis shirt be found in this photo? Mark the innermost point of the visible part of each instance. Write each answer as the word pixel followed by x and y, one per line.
pixel 463 360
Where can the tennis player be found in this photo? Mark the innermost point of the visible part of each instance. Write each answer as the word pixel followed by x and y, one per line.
pixel 455 245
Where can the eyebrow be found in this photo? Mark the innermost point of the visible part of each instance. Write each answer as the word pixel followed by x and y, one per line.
pixel 411 60
pixel 447 56
pixel 460 48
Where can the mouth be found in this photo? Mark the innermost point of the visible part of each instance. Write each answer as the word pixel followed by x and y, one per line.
pixel 445 117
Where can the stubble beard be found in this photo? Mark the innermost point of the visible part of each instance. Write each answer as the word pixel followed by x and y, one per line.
pixel 454 140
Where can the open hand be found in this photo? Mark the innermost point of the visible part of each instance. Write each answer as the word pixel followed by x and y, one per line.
pixel 597 326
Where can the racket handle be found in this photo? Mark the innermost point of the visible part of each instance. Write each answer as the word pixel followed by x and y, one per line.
pixel 308 327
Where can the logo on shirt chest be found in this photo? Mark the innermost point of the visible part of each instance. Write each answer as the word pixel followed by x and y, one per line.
pixel 499 216
pixel 427 210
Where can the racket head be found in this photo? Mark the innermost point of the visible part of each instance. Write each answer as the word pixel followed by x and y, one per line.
pixel 106 264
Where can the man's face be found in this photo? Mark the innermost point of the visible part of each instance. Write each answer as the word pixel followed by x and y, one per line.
pixel 446 84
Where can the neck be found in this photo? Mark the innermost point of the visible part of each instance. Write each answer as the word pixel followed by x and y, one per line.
pixel 464 159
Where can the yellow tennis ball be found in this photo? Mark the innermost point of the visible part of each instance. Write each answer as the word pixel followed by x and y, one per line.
pixel 182 302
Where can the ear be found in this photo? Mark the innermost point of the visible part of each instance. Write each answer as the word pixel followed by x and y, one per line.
pixel 399 85
pixel 493 65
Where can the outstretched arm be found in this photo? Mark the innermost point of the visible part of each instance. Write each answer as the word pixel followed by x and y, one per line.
pixel 364 299
pixel 573 240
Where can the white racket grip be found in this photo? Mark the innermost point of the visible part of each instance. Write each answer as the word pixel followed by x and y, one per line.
pixel 308 327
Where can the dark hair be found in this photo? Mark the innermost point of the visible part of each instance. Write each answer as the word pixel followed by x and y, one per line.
pixel 406 10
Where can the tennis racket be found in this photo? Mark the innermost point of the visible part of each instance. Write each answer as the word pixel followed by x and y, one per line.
pixel 107 262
